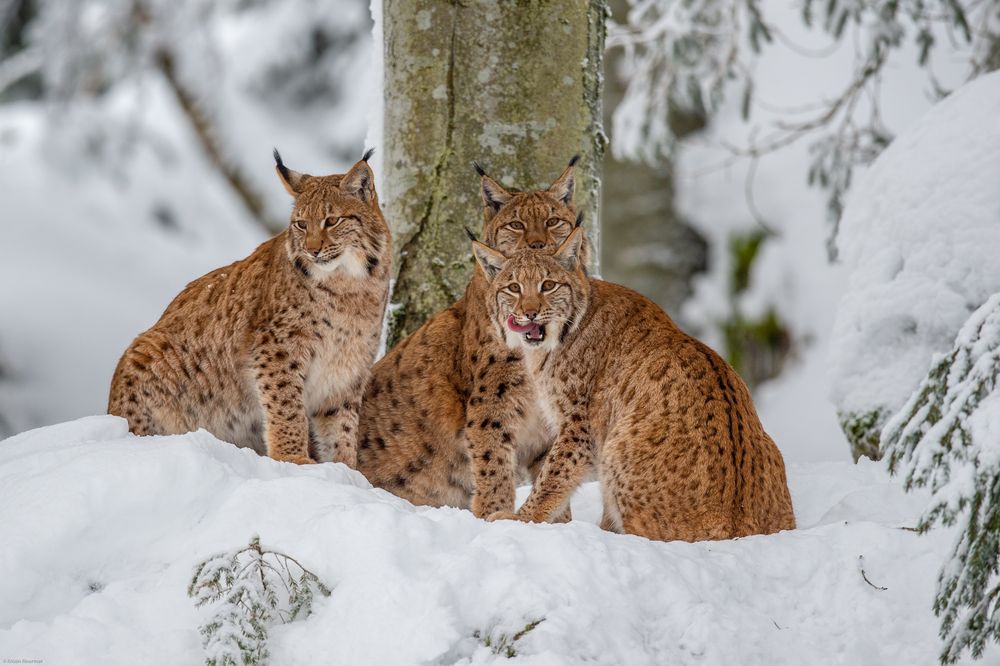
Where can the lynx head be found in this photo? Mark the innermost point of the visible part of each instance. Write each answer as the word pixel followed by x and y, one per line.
pixel 336 221
pixel 539 220
pixel 536 298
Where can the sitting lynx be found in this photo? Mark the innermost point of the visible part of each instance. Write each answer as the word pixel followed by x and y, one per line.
pixel 669 426
pixel 449 417
pixel 273 352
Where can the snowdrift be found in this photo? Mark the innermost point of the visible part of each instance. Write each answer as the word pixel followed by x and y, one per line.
pixel 919 237
pixel 101 532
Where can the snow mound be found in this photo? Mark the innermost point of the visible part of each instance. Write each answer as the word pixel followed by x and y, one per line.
pixel 919 237
pixel 102 531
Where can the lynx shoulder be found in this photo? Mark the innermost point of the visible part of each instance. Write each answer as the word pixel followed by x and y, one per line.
pixel 668 425
pixel 273 351
pixel 449 416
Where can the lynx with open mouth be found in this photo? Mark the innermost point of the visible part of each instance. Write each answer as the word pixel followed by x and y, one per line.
pixel 534 332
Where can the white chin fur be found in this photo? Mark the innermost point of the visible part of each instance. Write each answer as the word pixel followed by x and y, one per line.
pixel 350 261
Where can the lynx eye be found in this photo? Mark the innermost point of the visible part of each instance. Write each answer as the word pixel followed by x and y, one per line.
pixel 299 224
pixel 553 222
pixel 549 285
pixel 518 226
pixel 514 288
pixel 332 222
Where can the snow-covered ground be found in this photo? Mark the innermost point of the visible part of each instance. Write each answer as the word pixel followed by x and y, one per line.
pixel 101 532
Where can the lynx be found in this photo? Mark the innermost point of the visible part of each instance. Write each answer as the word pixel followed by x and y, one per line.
pixel 668 425
pixel 448 417
pixel 273 351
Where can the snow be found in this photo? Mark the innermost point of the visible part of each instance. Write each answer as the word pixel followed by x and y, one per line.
pixel 948 432
pixel 918 239
pixel 102 531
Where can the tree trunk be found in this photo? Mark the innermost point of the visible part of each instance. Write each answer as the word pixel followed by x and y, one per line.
pixel 513 85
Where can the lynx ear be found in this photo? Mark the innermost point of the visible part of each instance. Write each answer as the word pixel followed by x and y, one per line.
pixel 359 182
pixel 292 180
pixel 565 184
pixel 494 195
pixel 568 254
pixel 491 261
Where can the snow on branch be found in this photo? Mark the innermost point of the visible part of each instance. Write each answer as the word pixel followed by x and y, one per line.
pixel 678 56
pixel 947 437
pixel 250 589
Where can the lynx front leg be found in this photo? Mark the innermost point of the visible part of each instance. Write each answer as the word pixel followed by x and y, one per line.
pixel 280 386
pixel 534 470
pixel 497 404
pixel 568 462
pixel 336 427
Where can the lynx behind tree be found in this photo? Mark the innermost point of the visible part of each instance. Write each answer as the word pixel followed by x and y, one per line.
pixel 669 425
pixel 449 416
pixel 272 352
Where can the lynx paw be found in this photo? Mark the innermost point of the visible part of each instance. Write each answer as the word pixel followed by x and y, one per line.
pixel 504 515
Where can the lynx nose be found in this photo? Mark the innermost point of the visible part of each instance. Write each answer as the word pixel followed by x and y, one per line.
pixel 536 245
pixel 316 252
pixel 530 315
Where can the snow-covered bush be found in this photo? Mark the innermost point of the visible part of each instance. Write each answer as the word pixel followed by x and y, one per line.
pixel 919 237
pixel 947 436
pixel 250 589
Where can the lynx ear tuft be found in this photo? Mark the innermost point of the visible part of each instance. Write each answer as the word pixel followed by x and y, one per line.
pixel 573 160
pixel 292 180
pixel 480 170
pixel 565 185
pixel 490 260
pixel 359 182
pixel 494 196
pixel 579 219
pixel 470 233
pixel 368 154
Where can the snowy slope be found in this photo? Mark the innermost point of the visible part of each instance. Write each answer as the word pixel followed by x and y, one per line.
pixel 101 531
pixel 919 237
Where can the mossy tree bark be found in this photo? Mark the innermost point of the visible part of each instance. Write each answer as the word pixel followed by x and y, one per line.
pixel 514 85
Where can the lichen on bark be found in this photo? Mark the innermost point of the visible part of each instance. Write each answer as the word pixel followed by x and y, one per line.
pixel 513 85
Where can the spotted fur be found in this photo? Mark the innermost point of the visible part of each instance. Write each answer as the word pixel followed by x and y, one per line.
pixel 273 351
pixel 449 416
pixel 668 425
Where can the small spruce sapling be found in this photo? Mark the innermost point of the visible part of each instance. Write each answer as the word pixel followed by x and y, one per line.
pixel 947 437
pixel 250 589
pixel 503 644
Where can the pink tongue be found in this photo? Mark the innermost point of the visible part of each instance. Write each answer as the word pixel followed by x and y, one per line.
pixel 533 330
pixel 521 328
